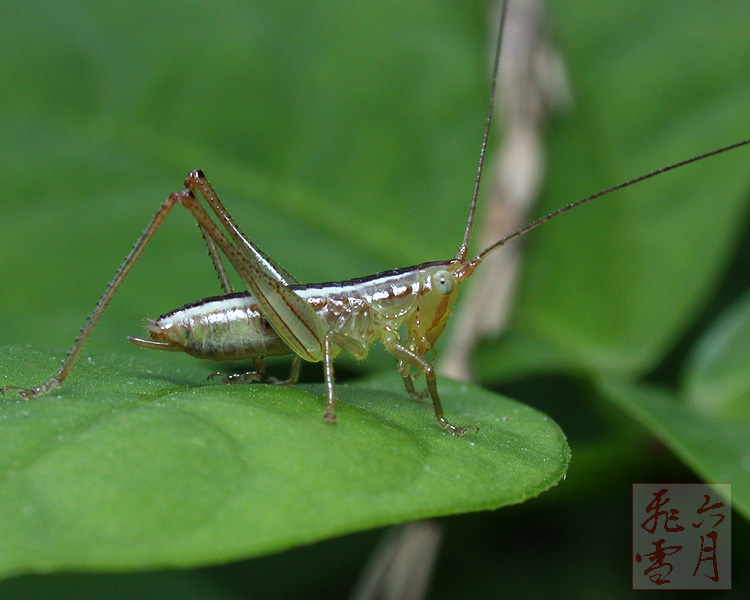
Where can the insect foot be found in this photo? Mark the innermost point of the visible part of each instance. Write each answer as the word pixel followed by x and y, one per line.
pixel 449 427
pixel 249 377
pixel 35 392
pixel 459 431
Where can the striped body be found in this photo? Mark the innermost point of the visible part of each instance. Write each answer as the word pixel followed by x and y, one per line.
pixel 233 327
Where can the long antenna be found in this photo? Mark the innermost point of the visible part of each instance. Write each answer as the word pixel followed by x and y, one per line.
pixel 524 230
pixel 464 248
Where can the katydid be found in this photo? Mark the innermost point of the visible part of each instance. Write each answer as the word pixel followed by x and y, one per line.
pixel 277 315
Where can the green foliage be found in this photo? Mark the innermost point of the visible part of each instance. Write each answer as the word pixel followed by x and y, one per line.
pixel 717 380
pixel 138 467
pixel 343 138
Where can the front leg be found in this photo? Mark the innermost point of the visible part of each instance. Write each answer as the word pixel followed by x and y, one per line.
pixel 413 394
pixel 409 358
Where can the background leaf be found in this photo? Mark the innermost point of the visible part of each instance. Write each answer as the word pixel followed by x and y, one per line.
pixel 717 378
pixel 613 287
pixel 716 449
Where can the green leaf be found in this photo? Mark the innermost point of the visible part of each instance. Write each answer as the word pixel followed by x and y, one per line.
pixel 133 465
pixel 717 378
pixel 715 449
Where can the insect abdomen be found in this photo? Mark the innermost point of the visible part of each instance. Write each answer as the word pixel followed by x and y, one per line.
pixel 228 327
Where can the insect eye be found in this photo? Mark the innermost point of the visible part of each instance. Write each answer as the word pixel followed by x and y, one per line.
pixel 442 282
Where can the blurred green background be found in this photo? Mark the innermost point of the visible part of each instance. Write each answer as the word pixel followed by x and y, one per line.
pixel 343 137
